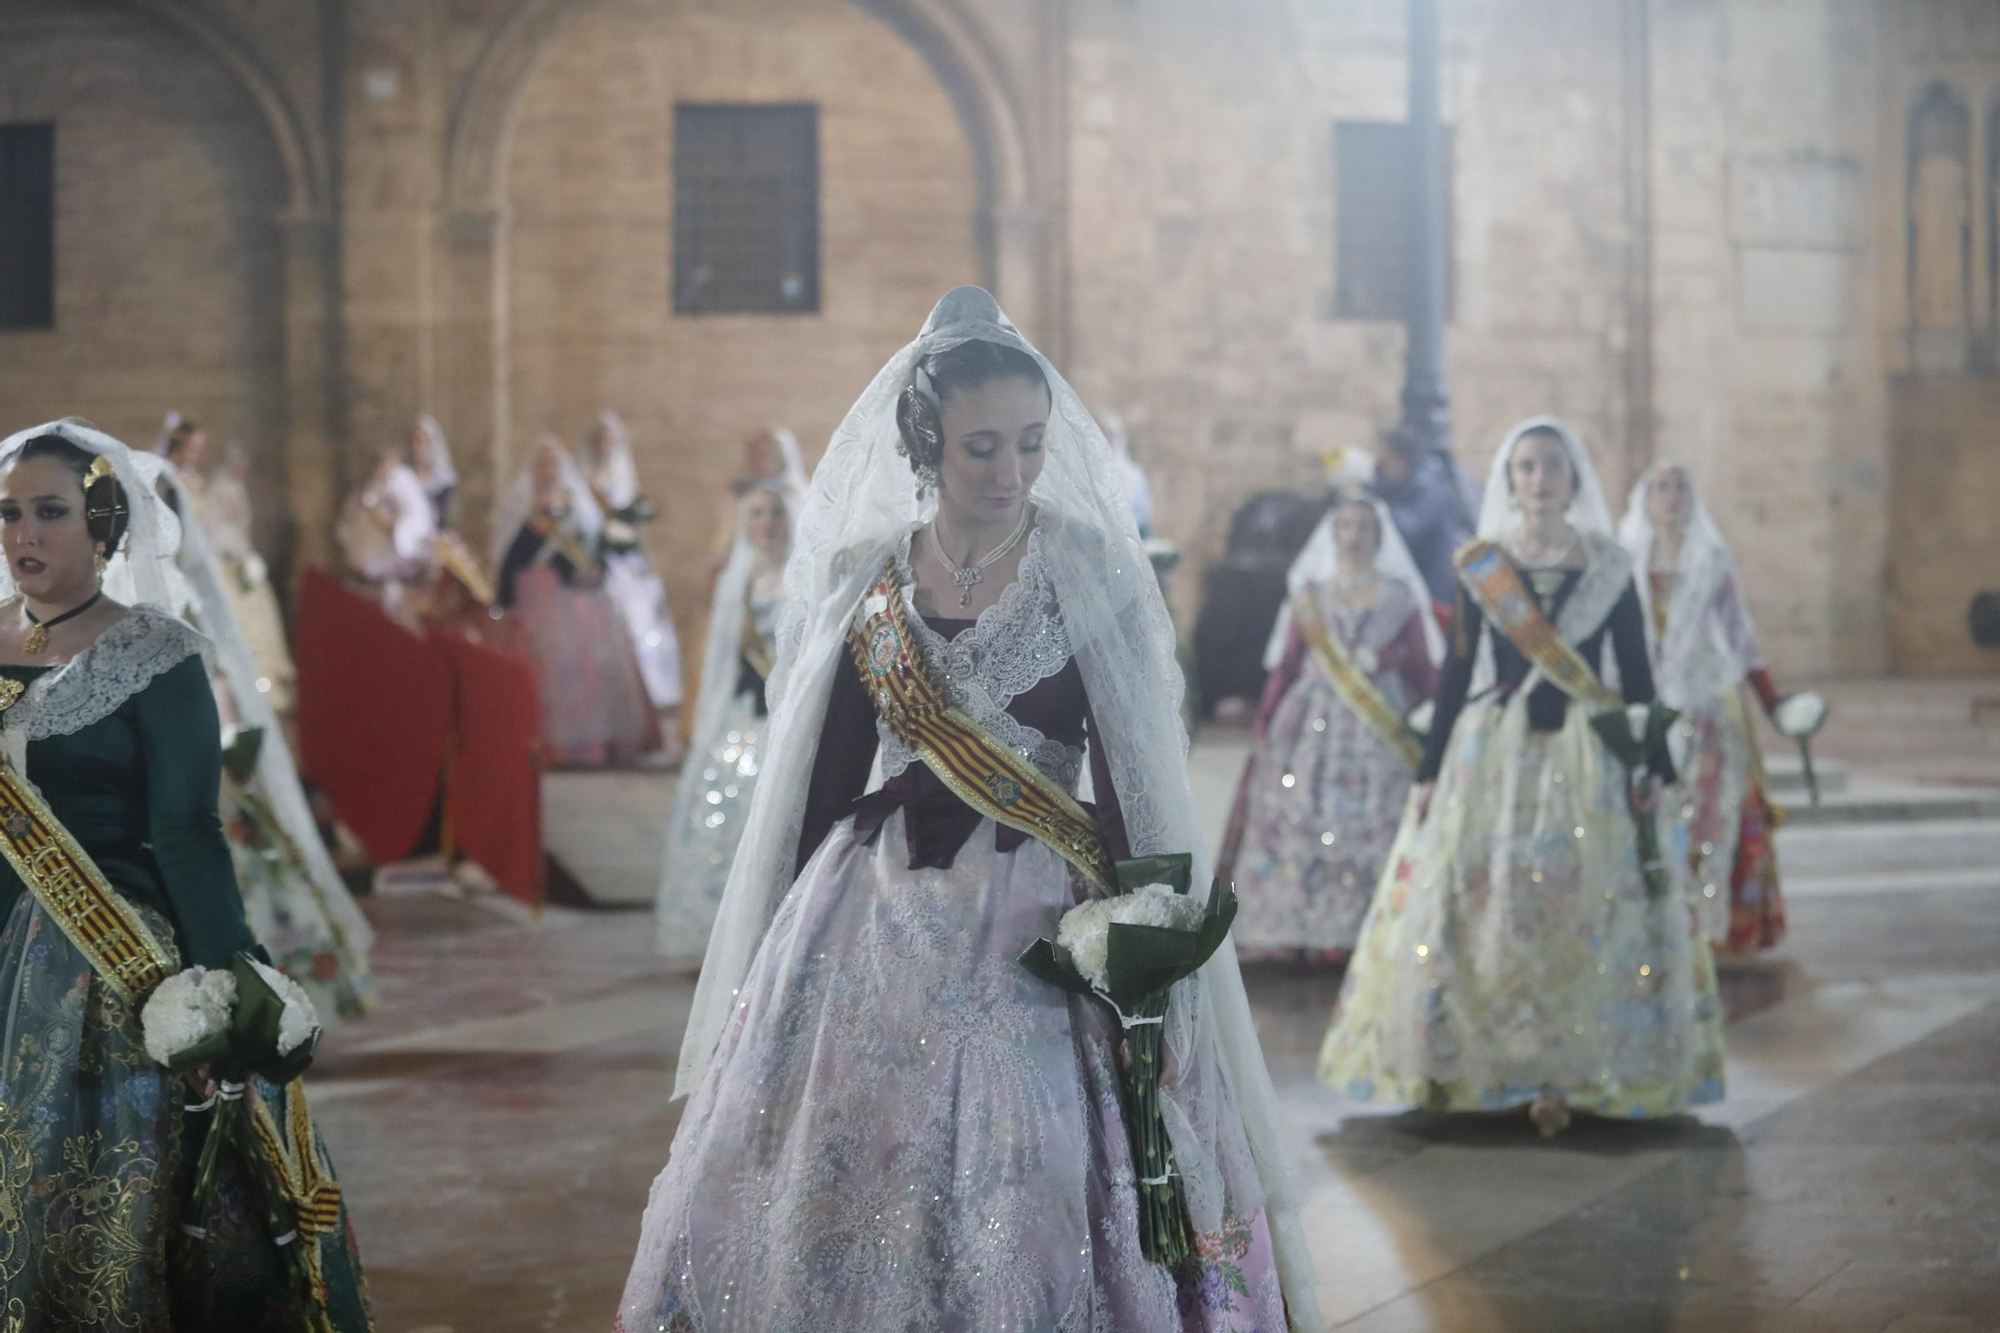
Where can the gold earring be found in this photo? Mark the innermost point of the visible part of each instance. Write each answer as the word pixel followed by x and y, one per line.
pixel 98 558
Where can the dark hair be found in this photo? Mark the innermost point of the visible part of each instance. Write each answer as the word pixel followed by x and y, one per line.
pixel 1569 458
pixel 106 509
pixel 969 365
pixel 183 431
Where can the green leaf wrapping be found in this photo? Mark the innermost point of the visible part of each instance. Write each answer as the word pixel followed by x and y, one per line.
pixel 1614 726
pixel 1176 871
pixel 254 1029
pixel 1049 962
pixel 1142 964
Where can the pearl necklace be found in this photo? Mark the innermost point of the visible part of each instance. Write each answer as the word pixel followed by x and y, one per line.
pixel 970 576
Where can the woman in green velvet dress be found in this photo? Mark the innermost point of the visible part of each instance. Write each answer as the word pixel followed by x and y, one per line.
pixel 109 714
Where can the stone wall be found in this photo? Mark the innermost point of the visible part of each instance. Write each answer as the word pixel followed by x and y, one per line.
pixel 1678 223
pixel 167 193
pixel 589 279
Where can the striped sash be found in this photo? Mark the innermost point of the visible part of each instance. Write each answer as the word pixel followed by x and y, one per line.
pixel 1351 683
pixel 75 894
pixel 1496 585
pixel 978 767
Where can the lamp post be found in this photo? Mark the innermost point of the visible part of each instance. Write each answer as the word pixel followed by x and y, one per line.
pixel 1426 420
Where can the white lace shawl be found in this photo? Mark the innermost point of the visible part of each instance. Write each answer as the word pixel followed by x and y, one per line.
pixel 1016 643
pixel 1710 644
pixel 139 647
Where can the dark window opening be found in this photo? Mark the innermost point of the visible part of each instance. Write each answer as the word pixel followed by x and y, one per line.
pixel 27 226
pixel 1372 219
pixel 746 209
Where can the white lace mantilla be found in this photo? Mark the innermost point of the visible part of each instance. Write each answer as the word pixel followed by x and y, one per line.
pixel 141 646
pixel 1014 645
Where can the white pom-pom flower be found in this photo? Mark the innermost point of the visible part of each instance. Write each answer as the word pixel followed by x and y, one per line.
pixel 1637 716
pixel 1085 930
pixel 299 1020
pixel 187 1009
pixel 1801 715
pixel 1421 717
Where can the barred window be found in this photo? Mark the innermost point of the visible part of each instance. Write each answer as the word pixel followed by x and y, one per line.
pixel 746 209
pixel 1372 219
pixel 27 226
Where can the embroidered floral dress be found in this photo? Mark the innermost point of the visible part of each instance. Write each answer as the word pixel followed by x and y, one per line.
pixel 1513 948
pixel 1731 821
pixel 1321 797
pixel 713 797
pixel 95 1144
pixel 901 1128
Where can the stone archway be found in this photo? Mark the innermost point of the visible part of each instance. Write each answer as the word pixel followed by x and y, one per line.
pixel 1014 229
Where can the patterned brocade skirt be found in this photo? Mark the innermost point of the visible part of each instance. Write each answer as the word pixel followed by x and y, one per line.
pixel 902 1129
pixel 1732 827
pixel 1315 815
pixel 1514 950
pixel 96 1153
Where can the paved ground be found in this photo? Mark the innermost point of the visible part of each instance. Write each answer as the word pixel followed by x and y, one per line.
pixel 498 1122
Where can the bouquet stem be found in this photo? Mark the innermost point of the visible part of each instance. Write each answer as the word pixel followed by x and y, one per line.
pixel 1812 778
pixel 1164 1236
pixel 1646 828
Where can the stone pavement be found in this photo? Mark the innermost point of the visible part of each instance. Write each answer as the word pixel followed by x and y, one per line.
pixel 498 1122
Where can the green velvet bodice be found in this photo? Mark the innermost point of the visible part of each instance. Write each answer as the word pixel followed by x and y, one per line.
pixel 137 788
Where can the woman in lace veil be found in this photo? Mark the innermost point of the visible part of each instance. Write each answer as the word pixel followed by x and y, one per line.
pixel 612 474
pixel 891 1124
pixel 1515 954
pixel 547 547
pixel 1327 779
pixel 108 714
pixel 1704 650
pixel 726 749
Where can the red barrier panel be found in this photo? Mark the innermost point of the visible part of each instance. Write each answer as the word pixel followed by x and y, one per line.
pixel 375 714
pixel 494 797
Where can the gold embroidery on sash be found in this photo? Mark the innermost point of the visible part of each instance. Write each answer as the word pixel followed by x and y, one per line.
pixel 977 766
pixel 74 892
pixel 1494 582
pixel 1351 683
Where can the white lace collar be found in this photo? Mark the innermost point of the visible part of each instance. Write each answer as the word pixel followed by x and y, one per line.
pixel 140 646
pixel 1012 646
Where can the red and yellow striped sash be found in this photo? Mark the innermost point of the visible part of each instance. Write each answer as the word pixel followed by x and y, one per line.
pixel 977 766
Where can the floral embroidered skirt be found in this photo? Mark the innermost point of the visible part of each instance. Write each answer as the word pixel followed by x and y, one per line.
pixel 1514 950
pixel 902 1129
pixel 1315 815
pixel 96 1151
pixel 1731 826
pixel 288 915
pixel 707 822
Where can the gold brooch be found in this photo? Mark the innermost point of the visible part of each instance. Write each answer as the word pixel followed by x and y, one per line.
pixel 11 691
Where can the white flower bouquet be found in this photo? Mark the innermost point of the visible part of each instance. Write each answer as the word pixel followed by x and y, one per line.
pixel 1631 733
pixel 1798 718
pixel 1128 950
pixel 241 1024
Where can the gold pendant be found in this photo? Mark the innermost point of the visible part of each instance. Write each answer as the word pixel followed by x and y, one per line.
pixel 37 640
pixel 10 692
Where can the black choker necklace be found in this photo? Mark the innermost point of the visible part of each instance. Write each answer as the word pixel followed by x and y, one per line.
pixel 37 640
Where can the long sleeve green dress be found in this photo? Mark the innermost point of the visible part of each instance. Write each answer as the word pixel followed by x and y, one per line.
pixel 95 1139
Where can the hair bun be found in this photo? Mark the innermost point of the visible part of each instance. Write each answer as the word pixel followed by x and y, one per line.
pixel 921 431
